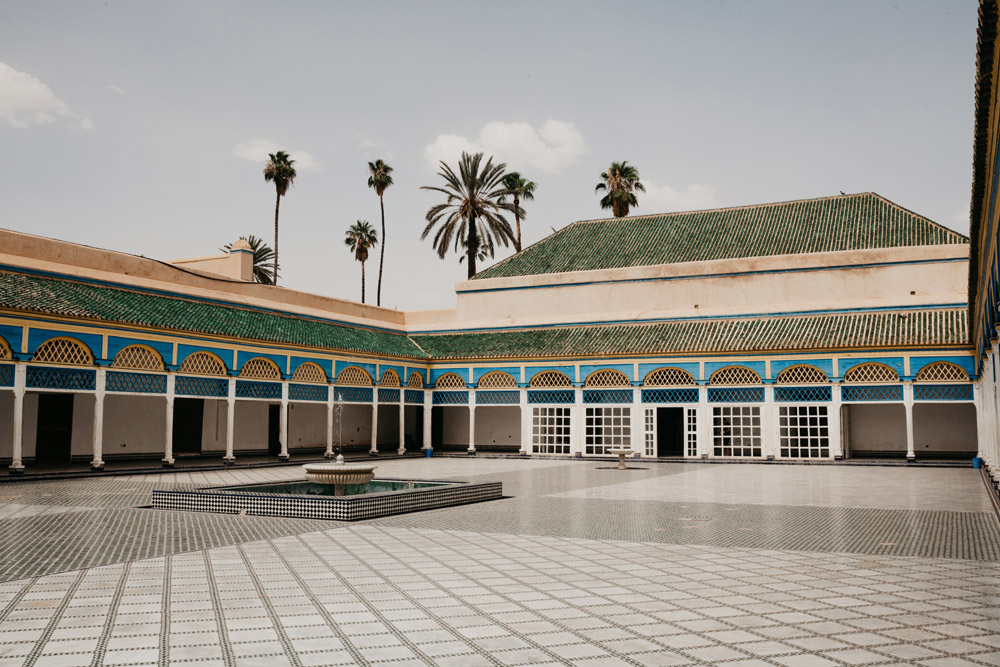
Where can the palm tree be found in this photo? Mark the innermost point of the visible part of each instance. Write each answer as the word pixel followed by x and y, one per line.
pixel 262 256
pixel 361 236
pixel 281 171
pixel 620 183
pixel 520 189
pixel 380 180
pixel 472 209
pixel 486 250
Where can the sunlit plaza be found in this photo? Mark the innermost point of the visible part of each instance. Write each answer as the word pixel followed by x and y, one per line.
pixel 582 564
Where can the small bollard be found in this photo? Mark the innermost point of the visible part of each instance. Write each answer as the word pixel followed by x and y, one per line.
pixel 429 452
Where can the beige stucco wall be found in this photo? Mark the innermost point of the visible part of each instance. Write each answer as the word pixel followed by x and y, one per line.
pixel 306 425
pixel 789 283
pixel 498 425
pixel 233 266
pixel 39 253
pixel 137 422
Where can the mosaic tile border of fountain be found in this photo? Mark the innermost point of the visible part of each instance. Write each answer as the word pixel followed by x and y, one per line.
pixel 334 508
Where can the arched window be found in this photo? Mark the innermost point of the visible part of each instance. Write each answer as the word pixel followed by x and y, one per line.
pixel 668 377
pixel 871 373
pixel 802 374
pixel 138 357
pixel 390 378
pixel 260 368
pixel 416 380
pixel 67 351
pixel 607 378
pixel 203 363
pixel 352 375
pixel 496 380
pixel 942 371
pixel 450 381
pixel 309 372
pixel 5 352
pixel 734 375
pixel 551 379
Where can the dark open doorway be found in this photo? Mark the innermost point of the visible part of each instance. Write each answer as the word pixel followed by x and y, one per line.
pixel 274 429
pixel 188 417
pixel 670 431
pixel 437 426
pixel 54 437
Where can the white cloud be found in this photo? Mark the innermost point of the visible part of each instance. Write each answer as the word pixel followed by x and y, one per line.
pixel 257 150
pixel 549 149
pixel 115 89
pixel 665 199
pixel 26 101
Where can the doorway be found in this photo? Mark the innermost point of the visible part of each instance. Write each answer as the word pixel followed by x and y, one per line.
pixel 54 437
pixel 274 429
pixel 188 417
pixel 670 431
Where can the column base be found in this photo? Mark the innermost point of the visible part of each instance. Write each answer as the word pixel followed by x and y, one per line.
pixel 229 461
pixel 471 452
pixel 838 458
pixel 401 451
pixel 96 467
pixel 911 459
pixel 283 457
pixel 19 470
pixel 372 453
pixel 329 455
pixel 770 457
pixel 522 452
pixel 167 463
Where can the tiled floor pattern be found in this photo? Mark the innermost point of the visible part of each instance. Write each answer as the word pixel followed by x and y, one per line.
pixel 392 596
pixel 911 489
pixel 579 567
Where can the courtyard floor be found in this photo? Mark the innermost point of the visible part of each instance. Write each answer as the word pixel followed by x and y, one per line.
pixel 582 564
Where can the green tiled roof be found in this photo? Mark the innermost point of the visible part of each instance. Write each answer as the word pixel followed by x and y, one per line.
pixel 124 306
pixel 802 332
pixel 848 222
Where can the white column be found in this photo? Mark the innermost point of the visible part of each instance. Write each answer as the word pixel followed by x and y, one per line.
pixel 522 401
pixel 402 421
pixel 330 394
pixel 769 424
pixel 168 446
pixel 229 458
pixel 704 423
pixel 16 465
pixel 373 451
pixel 428 408
pixel 908 404
pixel 472 420
pixel 578 423
pixel 836 424
pixel 98 463
pixel 638 422
pixel 283 423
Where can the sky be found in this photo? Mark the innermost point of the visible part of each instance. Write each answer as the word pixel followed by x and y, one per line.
pixel 143 127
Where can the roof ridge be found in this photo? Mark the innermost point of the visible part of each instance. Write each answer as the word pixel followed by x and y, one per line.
pixel 898 310
pixel 737 208
pixel 922 217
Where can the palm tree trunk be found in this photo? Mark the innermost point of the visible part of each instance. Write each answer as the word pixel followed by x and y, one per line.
pixel 381 257
pixel 473 245
pixel 277 203
pixel 517 202
pixel 362 282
